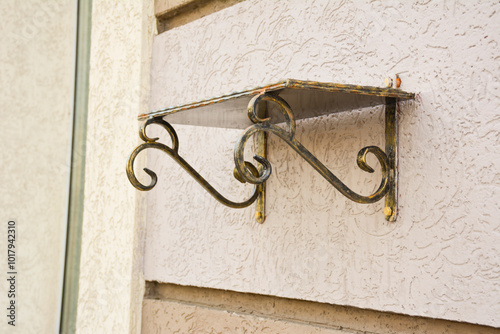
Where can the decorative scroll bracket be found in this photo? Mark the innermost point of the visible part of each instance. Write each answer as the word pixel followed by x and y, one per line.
pixel 387 160
pixel 257 112
pixel 173 152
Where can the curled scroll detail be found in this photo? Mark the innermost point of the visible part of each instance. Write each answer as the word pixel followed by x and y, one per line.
pixel 173 152
pixel 288 135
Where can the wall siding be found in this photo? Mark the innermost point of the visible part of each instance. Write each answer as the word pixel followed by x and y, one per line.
pixel 440 259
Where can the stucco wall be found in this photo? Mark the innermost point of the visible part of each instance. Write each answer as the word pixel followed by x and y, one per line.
pixel 37 55
pixel 440 259
pixel 111 283
pixel 189 309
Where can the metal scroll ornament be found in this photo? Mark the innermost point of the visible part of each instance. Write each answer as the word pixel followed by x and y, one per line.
pixel 173 152
pixel 288 135
pixel 247 172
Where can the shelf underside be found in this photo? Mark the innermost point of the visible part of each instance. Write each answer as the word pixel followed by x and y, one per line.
pixel 306 98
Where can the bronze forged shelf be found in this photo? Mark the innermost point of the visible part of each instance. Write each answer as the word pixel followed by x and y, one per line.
pixel 286 101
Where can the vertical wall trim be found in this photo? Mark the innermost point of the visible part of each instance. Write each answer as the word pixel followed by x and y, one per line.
pixel 77 177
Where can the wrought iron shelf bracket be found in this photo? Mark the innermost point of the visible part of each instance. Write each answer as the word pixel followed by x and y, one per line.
pixel 311 99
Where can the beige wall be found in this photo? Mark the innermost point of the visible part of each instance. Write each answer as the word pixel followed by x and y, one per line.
pixel 111 283
pixel 440 259
pixel 172 308
pixel 36 83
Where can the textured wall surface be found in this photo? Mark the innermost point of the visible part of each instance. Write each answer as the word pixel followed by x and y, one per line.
pixel 440 259
pixel 36 97
pixel 111 283
pixel 197 309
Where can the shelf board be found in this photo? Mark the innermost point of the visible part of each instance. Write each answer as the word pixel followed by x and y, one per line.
pixel 306 98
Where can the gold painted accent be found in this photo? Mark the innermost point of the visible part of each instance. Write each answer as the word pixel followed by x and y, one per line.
pixel 391 149
pixel 260 209
pixel 387 212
